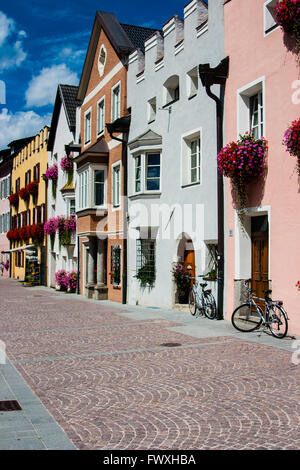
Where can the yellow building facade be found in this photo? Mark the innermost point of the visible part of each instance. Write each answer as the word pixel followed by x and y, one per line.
pixel 29 211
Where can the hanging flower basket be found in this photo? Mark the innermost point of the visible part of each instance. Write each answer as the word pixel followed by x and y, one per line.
pixel 291 140
pixel 243 162
pixel 50 228
pixel 52 172
pixel 287 13
pixel 33 188
pixel 37 233
pixel 25 233
pixel 66 226
pixel 66 165
pixel 24 194
pixel 14 199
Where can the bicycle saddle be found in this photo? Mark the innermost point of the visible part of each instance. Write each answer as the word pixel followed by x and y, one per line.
pixel 203 285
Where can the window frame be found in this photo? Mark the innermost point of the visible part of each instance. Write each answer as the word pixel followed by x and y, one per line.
pixel 186 158
pixel 268 17
pixel 116 204
pixel 87 112
pixel 113 116
pixel 143 152
pixel 243 105
pixel 100 131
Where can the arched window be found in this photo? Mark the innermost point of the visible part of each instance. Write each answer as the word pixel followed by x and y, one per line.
pixel 102 60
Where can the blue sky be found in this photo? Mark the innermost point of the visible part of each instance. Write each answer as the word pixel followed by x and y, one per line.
pixel 44 43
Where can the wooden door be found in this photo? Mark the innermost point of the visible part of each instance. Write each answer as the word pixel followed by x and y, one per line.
pixel 189 262
pixel 260 262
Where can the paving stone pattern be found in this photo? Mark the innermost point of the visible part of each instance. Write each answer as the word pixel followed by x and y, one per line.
pixel 109 383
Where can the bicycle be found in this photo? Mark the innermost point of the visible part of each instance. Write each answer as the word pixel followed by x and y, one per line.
pixel 202 301
pixel 249 315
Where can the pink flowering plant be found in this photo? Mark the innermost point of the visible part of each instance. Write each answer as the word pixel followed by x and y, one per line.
pixel 243 162
pixel 66 163
pixel 182 279
pixel 72 280
pixel 52 172
pixel 50 228
pixel 66 280
pixel 66 226
pixel 287 14
pixel 291 141
pixel 61 279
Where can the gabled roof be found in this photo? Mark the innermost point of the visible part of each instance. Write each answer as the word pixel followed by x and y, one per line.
pixel 67 96
pixel 123 38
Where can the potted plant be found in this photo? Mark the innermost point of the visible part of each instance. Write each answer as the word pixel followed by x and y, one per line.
pixel 183 283
pixel 52 174
pixel 243 162
pixel 72 278
pixel 291 140
pixel 66 165
pixel 211 275
pixel 61 280
pixel 14 199
pixel 146 274
pixel 24 194
pixel 50 228
pixel 287 14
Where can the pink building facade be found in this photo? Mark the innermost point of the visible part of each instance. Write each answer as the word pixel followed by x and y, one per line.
pixel 5 185
pixel 262 94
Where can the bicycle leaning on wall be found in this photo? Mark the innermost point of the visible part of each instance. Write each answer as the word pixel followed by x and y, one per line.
pixel 249 316
pixel 202 300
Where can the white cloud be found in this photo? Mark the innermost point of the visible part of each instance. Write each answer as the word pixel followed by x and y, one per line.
pixel 11 50
pixel 42 88
pixel 19 125
pixel 7 25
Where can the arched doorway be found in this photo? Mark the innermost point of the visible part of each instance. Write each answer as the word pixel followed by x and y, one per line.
pixel 186 256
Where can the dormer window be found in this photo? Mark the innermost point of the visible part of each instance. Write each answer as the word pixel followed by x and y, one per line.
pixel 171 90
pixel 102 60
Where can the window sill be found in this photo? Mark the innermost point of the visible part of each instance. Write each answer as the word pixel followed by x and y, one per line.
pixel 146 195
pixel 197 183
pixel 169 104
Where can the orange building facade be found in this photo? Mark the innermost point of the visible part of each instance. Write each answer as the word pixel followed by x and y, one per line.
pixel 102 163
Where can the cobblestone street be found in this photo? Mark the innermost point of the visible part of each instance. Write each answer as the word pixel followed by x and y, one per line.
pixel 103 373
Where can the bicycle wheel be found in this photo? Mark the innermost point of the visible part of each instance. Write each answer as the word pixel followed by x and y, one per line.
pixel 192 303
pixel 277 321
pixel 245 318
pixel 210 309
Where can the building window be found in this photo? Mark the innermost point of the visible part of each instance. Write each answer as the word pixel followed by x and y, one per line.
pixel 270 22
pixel 251 109
pixel 116 185
pixel 71 206
pixel 102 60
pixel 138 174
pixel 192 83
pixel 87 127
pixel 153 172
pixel 115 103
pixel 27 177
pixel 36 173
pixel 100 116
pixel 191 159
pixel 256 115
pixel 145 262
pixel 115 262
pixel 18 182
pixel 171 90
pixel 151 110
pixel 99 183
pixel 83 198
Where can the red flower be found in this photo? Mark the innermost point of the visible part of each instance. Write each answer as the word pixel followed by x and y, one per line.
pixel 37 232
pixel 14 199
pixel 33 188
pixel 24 194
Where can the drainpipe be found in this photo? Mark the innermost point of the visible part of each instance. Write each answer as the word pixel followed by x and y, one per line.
pixel 217 76
pixel 123 128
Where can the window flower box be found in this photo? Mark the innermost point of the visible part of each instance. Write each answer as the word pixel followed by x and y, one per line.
pixel 287 14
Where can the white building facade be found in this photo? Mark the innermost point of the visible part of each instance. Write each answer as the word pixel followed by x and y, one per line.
pixel 61 192
pixel 172 155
